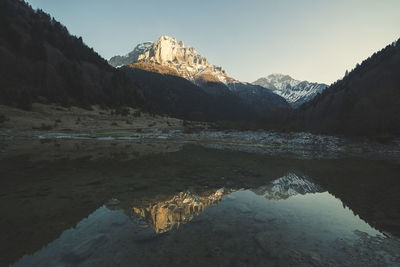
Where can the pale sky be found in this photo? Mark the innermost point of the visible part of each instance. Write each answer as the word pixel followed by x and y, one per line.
pixel 314 40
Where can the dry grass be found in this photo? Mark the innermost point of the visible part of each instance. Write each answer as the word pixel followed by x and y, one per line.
pixel 55 117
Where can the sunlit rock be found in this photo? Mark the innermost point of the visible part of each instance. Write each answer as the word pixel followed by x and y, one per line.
pixel 168 52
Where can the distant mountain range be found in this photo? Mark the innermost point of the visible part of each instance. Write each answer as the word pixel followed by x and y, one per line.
pixel 295 92
pixel 167 56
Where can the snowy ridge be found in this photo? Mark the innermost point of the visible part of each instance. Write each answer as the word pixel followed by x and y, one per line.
pixel 295 92
pixel 141 48
pixel 119 61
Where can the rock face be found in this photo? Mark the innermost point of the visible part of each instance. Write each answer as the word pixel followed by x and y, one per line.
pixel 182 208
pixel 169 52
pixel 295 92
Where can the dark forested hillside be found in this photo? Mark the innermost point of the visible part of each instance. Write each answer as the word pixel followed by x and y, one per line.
pixel 262 99
pixel 365 102
pixel 41 61
pixel 178 97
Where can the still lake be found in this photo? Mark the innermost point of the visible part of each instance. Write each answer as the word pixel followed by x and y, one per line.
pixel 208 198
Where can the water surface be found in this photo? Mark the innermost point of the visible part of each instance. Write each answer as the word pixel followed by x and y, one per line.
pixel 121 203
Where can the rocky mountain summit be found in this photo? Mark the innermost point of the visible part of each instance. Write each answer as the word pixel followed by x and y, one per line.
pixel 167 51
pixel 295 92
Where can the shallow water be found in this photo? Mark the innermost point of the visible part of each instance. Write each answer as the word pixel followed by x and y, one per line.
pixel 244 228
pixel 294 144
pixel 170 203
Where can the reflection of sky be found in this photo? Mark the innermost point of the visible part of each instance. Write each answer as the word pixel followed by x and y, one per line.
pixel 318 211
pixel 309 39
pixel 302 221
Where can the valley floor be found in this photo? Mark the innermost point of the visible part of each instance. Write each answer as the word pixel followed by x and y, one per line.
pixel 74 119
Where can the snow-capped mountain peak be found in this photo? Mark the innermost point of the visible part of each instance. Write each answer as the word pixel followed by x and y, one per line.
pixel 281 81
pixel 169 52
pixel 294 91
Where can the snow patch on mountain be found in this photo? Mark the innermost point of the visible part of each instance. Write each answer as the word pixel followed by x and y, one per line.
pixel 294 91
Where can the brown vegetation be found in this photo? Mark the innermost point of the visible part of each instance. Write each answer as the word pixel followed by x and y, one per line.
pixel 154 67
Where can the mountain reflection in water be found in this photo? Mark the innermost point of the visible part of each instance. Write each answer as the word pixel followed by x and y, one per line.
pixel 167 208
pixel 182 208
pixel 287 186
pixel 291 220
pixel 168 215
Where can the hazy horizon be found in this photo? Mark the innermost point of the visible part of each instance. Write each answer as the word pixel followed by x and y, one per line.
pixel 308 40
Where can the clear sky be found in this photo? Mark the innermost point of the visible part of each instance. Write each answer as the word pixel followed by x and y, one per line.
pixel 315 40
